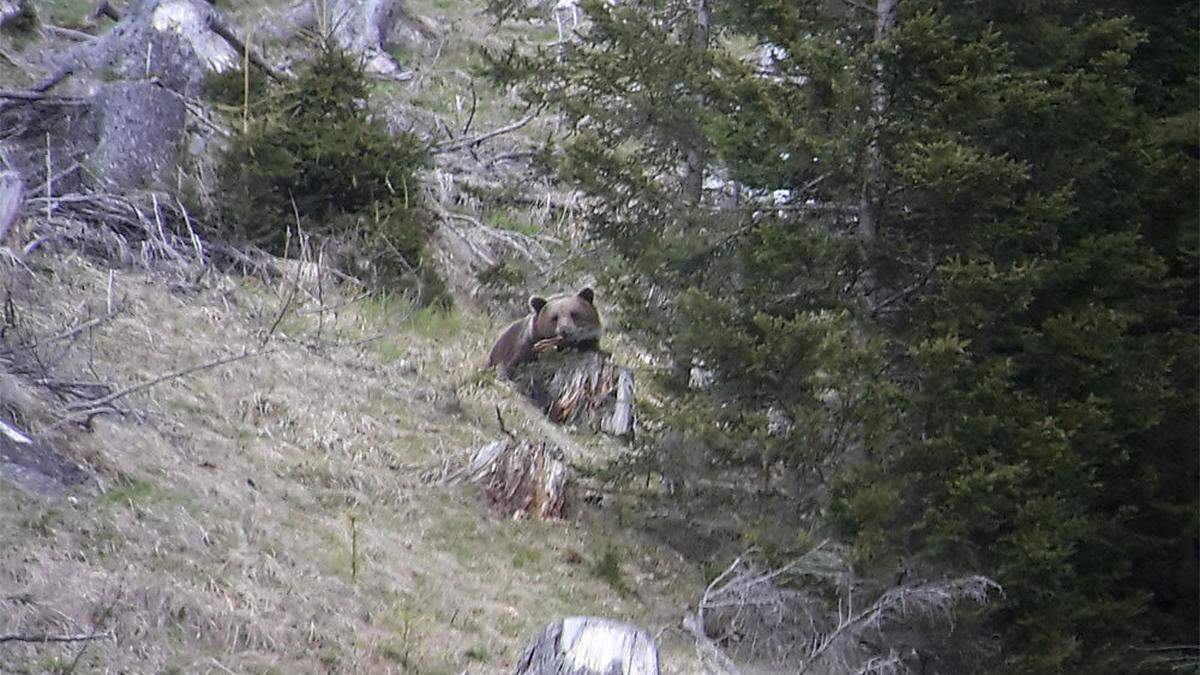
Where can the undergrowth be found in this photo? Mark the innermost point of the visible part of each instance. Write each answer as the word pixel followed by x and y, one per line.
pixel 313 158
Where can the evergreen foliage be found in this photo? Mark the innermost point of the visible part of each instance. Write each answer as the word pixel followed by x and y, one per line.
pixel 314 158
pixel 997 376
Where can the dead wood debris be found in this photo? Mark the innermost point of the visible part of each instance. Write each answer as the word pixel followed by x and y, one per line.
pixel 520 478
pixel 55 638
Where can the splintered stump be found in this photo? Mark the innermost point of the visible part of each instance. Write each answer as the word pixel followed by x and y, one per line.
pixel 585 645
pixel 584 388
pixel 519 479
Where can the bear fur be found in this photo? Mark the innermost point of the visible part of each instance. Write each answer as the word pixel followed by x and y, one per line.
pixel 563 321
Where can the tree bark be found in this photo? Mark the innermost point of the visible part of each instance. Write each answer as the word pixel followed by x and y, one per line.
pixel 870 204
pixel 584 388
pixel 696 154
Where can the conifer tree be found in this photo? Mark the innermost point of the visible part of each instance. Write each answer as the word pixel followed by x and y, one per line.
pixel 972 305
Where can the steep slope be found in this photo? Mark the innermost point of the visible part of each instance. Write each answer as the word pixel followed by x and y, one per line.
pixel 215 534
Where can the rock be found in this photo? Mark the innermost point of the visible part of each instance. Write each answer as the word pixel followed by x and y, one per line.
pixel 137 127
pixel 126 120
pixel 585 645
pixel 12 11
pixel 35 466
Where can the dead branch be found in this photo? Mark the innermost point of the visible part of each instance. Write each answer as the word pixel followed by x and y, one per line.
pixel 31 95
pixel 527 246
pixel 54 638
pixel 226 33
pixel 95 406
pixel 470 116
pixel 476 140
pixel 500 421
pixel 66 334
pixel 779 615
pixel 68 33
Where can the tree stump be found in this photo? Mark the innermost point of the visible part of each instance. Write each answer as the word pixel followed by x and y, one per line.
pixel 520 479
pixel 585 645
pixel 584 388
pixel 364 27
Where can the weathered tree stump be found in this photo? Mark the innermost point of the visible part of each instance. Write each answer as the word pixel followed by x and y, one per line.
pixel 584 388
pixel 365 27
pixel 520 479
pixel 585 645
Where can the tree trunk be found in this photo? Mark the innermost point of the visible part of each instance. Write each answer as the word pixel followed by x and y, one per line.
pixel 873 183
pixel 696 155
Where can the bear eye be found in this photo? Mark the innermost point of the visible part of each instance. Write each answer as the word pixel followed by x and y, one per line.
pixel 574 315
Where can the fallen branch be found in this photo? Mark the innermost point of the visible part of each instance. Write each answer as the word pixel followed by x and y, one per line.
pixel 55 638
pixel 226 33
pixel 66 334
pixel 93 406
pixel 33 95
pixel 476 140
pixel 68 33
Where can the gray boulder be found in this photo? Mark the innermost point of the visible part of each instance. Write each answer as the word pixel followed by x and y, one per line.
pixel 137 127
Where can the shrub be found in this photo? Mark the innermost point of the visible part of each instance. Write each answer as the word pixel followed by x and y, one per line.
pixel 229 88
pixel 314 158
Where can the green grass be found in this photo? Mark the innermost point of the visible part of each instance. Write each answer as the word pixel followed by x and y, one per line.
pixel 65 12
pixel 477 653
pixel 131 492
pixel 505 220
pixel 524 556
pixel 607 568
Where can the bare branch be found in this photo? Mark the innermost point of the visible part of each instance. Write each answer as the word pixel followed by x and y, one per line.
pixel 94 406
pixel 66 334
pixel 476 140
pixel 54 638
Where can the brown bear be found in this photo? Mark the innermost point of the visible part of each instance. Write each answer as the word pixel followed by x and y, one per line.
pixel 563 321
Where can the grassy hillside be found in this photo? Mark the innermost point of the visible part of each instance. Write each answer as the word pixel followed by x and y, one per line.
pixel 217 536
pixel 215 532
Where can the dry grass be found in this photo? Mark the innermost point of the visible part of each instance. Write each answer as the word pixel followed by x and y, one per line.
pixel 218 536
pixel 220 539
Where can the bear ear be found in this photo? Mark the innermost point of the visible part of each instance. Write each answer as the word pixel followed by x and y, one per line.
pixel 588 295
pixel 536 303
